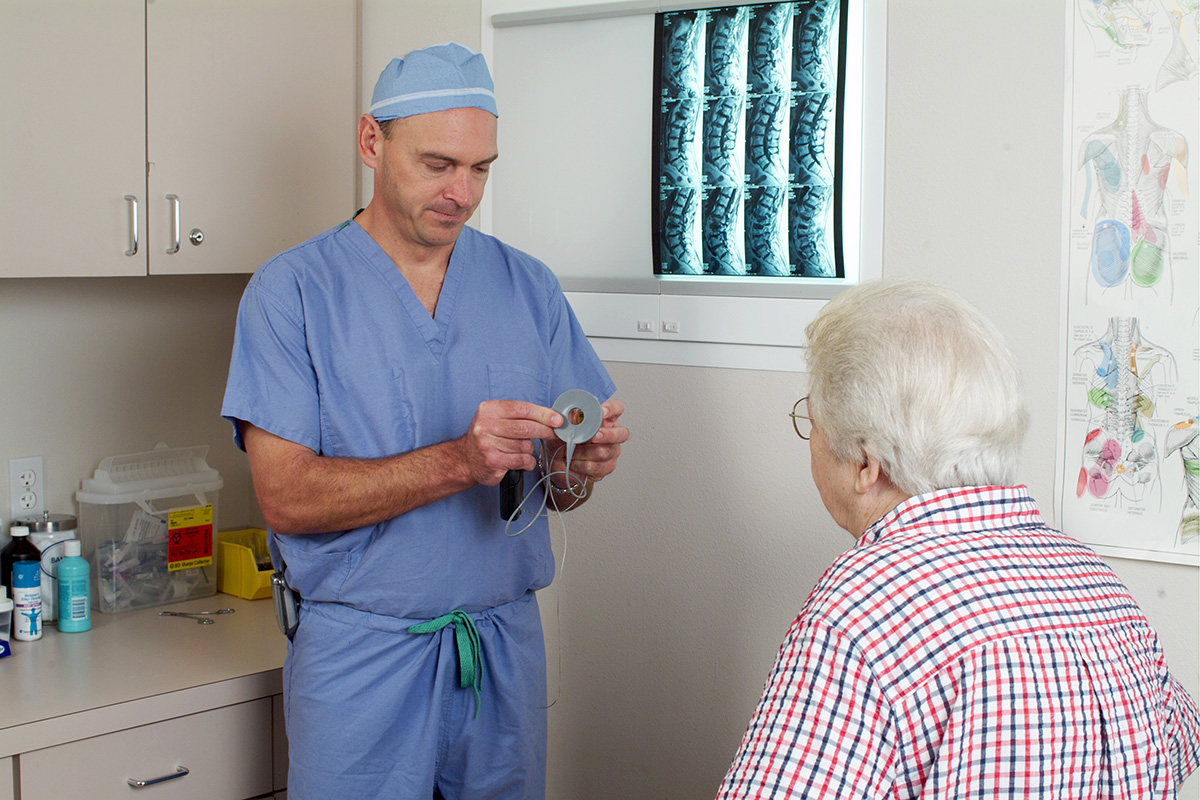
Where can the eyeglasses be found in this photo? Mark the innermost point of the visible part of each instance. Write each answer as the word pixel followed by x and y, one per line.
pixel 801 421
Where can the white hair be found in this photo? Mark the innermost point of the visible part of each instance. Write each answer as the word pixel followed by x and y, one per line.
pixel 910 373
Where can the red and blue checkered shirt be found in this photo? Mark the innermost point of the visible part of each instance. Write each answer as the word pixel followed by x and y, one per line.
pixel 963 649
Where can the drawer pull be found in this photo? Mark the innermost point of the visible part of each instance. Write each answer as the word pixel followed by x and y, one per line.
pixel 179 773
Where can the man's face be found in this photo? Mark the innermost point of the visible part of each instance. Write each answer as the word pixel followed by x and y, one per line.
pixel 432 171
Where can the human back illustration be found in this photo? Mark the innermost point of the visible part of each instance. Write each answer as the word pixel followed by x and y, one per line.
pixel 1119 455
pixel 1131 270
pixel 1132 160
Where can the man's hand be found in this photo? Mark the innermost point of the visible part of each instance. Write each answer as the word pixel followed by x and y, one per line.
pixel 595 458
pixel 500 438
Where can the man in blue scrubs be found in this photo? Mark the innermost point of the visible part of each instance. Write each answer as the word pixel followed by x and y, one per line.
pixel 385 376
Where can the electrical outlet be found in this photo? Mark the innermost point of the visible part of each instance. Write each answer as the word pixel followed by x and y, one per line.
pixel 26 487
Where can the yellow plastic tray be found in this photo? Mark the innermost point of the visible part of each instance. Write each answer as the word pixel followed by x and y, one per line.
pixel 237 570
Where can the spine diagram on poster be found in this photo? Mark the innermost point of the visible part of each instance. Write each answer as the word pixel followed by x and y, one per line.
pixel 1119 454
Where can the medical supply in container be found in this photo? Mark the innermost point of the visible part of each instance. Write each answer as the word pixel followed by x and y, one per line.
pixel 244 567
pixel 48 532
pixel 27 601
pixel 148 523
pixel 74 600
pixel 19 548
pixel 6 607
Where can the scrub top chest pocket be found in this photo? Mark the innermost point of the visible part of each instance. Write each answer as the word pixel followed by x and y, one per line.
pixel 518 382
pixel 373 420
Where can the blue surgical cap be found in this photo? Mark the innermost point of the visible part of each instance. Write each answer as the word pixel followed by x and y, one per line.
pixel 432 79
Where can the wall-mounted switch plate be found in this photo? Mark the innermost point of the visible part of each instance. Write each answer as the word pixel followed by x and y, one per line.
pixel 26 487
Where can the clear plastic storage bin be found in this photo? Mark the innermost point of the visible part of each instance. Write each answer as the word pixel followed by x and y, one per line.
pixel 148 524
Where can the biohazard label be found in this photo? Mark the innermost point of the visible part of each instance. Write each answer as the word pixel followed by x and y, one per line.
pixel 189 537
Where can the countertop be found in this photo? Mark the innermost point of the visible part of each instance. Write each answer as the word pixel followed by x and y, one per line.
pixel 135 668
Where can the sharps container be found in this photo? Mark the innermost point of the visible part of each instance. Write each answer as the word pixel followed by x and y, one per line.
pixel 148 522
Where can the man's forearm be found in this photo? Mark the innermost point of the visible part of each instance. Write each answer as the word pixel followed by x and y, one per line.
pixel 302 492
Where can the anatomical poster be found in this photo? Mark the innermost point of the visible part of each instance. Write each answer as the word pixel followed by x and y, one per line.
pixel 1129 435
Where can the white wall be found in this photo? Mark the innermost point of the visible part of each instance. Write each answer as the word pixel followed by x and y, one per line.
pixel 684 571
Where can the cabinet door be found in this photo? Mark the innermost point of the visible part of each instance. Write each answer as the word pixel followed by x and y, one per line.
pixel 226 753
pixel 73 139
pixel 251 125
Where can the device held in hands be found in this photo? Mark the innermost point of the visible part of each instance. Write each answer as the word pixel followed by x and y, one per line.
pixel 510 493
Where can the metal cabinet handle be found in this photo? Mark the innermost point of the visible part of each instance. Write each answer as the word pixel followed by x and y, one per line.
pixel 174 201
pixel 179 773
pixel 133 231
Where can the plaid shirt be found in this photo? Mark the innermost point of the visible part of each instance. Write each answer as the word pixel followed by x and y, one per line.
pixel 963 649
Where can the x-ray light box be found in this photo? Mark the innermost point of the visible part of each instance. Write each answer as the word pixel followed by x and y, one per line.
pixel 575 85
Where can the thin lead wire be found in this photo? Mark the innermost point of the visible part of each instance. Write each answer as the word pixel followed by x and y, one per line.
pixel 543 510
pixel 576 488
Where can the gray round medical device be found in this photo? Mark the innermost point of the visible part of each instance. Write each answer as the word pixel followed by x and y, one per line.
pixel 582 416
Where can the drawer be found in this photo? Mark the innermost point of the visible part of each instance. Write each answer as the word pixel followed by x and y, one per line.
pixel 227 752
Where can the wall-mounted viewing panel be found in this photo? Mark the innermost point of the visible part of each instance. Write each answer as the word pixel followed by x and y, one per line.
pixel 746 163
pixel 701 179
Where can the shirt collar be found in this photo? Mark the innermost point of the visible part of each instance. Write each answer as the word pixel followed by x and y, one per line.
pixel 965 509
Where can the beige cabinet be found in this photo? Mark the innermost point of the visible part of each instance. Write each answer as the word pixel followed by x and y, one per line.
pixel 172 136
pixel 140 696
pixel 251 125
pixel 225 752
pixel 73 143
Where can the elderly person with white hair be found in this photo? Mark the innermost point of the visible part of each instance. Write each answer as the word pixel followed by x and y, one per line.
pixel 961 647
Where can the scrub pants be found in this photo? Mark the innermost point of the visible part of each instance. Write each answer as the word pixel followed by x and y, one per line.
pixel 376 712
